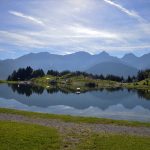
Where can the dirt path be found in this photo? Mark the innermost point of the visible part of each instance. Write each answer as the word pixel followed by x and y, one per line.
pixel 78 127
pixel 73 133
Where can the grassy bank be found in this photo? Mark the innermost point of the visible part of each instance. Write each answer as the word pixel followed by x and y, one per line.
pixel 10 82
pixel 22 136
pixel 25 136
pixel 115 142
pixel 138 85
pixel 76 119
pixel 72 83
pixel 16 136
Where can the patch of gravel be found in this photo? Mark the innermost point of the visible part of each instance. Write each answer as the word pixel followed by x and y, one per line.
pixel 84 128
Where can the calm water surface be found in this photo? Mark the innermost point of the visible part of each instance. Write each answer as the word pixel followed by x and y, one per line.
pixel 107 103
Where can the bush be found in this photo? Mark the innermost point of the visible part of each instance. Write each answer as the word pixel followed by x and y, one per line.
pixel 91 84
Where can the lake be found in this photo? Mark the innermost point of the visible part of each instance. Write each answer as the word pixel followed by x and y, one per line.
pixel 117 103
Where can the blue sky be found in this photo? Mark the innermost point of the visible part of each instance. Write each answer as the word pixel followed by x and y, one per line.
pixel 67 26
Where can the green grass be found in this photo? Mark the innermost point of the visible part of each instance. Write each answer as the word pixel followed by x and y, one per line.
pixel 21 136
pixel 115 142
pixel 5 81
pixel 73 82
pixel 76 119
pixel 80 81
pixel 138 85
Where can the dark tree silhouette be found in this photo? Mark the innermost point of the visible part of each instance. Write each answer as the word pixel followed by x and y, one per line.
pixel 25 74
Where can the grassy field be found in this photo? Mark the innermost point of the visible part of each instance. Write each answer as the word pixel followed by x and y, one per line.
pixel 139 85
pixel 25 136
pixel 22 136
pixel 72 83
pixel 5 81
pixel 76 119
pixel 75 80
pixel 115 142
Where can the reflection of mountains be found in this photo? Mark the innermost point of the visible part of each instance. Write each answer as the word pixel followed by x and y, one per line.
pixel 128 98
pixel 114 112
pixel 102 99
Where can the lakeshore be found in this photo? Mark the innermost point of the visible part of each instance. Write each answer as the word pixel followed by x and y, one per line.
pixel 71 133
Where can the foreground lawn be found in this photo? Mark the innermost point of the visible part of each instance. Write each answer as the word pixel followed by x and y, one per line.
pixel 115 142
pixel 21 136
pixel 76 119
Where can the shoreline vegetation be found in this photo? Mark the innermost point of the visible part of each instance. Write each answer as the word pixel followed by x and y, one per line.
pixel 75 119
pixel 74 81
pixel 30 130
pixel 83 83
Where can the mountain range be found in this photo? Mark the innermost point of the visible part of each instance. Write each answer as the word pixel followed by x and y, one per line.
pixel 101 63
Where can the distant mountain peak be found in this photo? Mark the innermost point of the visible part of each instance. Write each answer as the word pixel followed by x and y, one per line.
pixel 40 53
pixel 104 53
pixel 80 53
pixel 129 55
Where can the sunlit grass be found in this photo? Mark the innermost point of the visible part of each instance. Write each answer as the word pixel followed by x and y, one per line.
pixel 114 142
pixel 76 119
pixel 22 136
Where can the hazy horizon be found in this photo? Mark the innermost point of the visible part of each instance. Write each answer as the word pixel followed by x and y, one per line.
pixel 78 52
pixel 68 26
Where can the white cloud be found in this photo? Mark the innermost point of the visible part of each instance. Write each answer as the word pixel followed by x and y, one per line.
pixel 144 25
pixel 85 32
pixel 59 36
pixel 123 9
pixel 30 18
pixel 2 50
pixel 73 25
pixel 19 39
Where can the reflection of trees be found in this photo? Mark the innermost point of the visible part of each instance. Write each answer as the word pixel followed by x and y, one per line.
pixel 144 94
pixel 52 90
pixel 114 89
pixel 26 89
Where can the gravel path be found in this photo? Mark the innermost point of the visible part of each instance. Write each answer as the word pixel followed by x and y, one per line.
pixel 67 127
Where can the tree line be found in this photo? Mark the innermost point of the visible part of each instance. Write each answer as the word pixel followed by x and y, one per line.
pixel 141 75
pixel 23 74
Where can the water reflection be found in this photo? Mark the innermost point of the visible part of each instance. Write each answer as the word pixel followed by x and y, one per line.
pixel 144 93
pixel 28 90
pixel 117 103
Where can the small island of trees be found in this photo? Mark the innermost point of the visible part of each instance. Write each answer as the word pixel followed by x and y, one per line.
pixel 25 74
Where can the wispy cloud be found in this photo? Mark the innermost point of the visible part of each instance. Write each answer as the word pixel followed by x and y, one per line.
pixel 143 23
pixel 68 26
pixel 2 50
pixel 85 32
pixel 30 18
pixel 62 36
pixel 131 13
pixel 19 39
